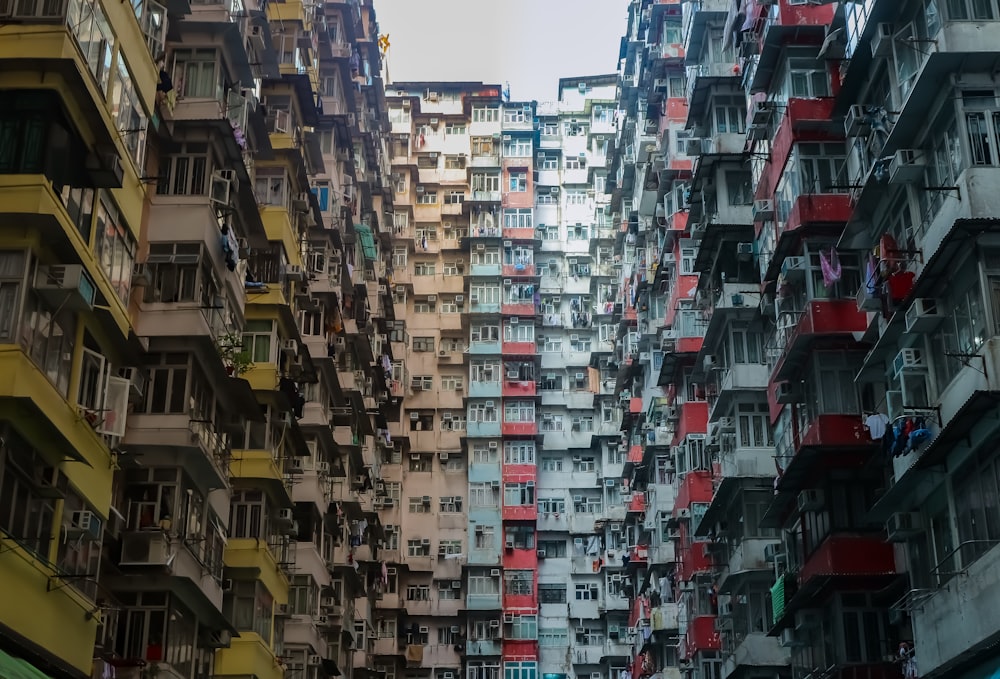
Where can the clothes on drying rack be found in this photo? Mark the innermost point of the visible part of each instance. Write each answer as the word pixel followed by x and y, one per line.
pixel 905 435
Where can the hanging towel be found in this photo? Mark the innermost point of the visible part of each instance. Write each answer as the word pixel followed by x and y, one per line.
pixel 830 265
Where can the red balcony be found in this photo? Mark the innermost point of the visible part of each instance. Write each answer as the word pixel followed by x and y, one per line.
pixel 797 14
pixel 694 558
pixel 515 649
pixel 515 601
pixel 513 270
pixel 694 487
pixel 635 454
pixel 518 348
pixel 520 513
pixel 817 208
pixel 689 345
pixel 521 308
pixel 518 388
pixel 827 318
pixel 635 406
pixel 851 555
pixel 693 420
pixel 676 112
pixel 518 234
pixel 637 503
pixel 639 555
pixel 521 559
pixel 701 636
pixel 519 428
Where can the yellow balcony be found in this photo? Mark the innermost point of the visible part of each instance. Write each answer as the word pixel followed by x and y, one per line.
pixel 292 10
pixel 24 49
pixel 248 656
pixel 254 554
pixel 46 611
pixel 53 426
pixel 278 227
pixel 38 210
pixel 262 377
pixel 258 468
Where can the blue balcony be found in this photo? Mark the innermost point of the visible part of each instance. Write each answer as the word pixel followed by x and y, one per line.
pixel 484 348
pixel 482 602
pixel 483 429
pixel 481 308
pixel 480 472
pixel 484 389
pixel 483 647
pixel 486 270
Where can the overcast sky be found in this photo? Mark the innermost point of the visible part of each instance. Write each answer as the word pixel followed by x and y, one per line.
pixel 530 43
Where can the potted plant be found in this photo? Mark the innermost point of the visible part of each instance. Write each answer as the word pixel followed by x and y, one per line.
pixel 231 350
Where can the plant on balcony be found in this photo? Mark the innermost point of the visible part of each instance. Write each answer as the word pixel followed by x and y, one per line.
pixel 236 360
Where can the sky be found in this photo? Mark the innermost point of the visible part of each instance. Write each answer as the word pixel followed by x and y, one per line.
pixel 529 43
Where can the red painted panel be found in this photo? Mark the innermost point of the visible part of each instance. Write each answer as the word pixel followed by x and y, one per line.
pixel 518 309
pixel 521 559
pixel 520 513
pixel 836 431
pixel 518 234
pixel 821 317
pixel 519 472
pixel 518 600
pixel 635 454
pixel 519 428
pixel 635 405
pixel 694 557
pixel 816 208
pixel 637 503
pixel 805 15
pixel 518 388
pixel 518 348
pixel 676 110
pixel 695 487
pixel 849 555
pixel 519 650
pixel 693 420
pixel 702 636
pixel 512 271
pixel 689 345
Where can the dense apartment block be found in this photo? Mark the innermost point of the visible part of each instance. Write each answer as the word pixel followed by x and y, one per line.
pixel 199 339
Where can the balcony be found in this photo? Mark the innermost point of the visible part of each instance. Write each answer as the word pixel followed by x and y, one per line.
pixel 490 389
pixel 587 655
pixel 664 617
pixel 585 610
pixel 520 428
pixel 485 160
pixel 484 348
pixel 483 429
pixel 483 647
pixel 520 307
pixel 694 559
pixel 483 602
pixel 514 388
pixel 779 24
pixel 519 512
pixel 746 559
pixel 701 636
pixel 514 270
pixel 820 319
pixel 514 233
pixel 248 655
pixel 849 555
pixel 755 650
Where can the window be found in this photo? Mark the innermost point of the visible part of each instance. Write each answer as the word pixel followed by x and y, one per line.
pixel 519 494
pixel 753 428
pixel 517 148
pixel 451 504
pixel 517 181
pixel 552 464
pixel 483 412
pixel 584 464
pixel 520 218
pixel 485 181
pixel 448 592
pixel 427 198
pixel 420 504
pixel 483 494
pixel 551 593
pixel 482 453
pixel 187 172
pixel 523 627
pixel 454 128
pixel 552 506
pixel 518 582
pixel 423 344
pixel 418 547
pixel 197 74
pixel 586 591
pixel 554 549
pixel 26 508
pixel 418 593
pixel 485 114
pixel 446 547
pixel 519 452
pixel 519 411
pixel 303 595
pixel 485 537
pixel 259 340
pixel 520 670
pixel 423 269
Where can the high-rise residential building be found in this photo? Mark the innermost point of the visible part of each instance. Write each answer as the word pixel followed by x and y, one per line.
pixel 198 339
pixel 686 373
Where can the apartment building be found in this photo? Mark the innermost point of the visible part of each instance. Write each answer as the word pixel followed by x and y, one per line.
pixel 201 328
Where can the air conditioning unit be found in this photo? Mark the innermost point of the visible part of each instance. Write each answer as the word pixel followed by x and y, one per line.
pixel 67 287
pixel 315 660
pixel 806 620
pixel 903 525
pixel 857 123
pixel 762 112
pixel 909 361
pixel 495 573
pixel 285 516
pixel 907 166
pixel 323 467
pixel 293 272
pixel 788 638
pixel 811 500
pixel 882 40
pixel 744 249
pixel 923 315
pixel 771 552
pixel 786 392
pixel 290 348
pixel 540 553
pixel 86 525
pixel 434 123
pixel 763 210
pixel 793 267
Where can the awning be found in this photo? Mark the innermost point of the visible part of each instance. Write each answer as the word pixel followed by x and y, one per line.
pixel 16 668
pixel 367 241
